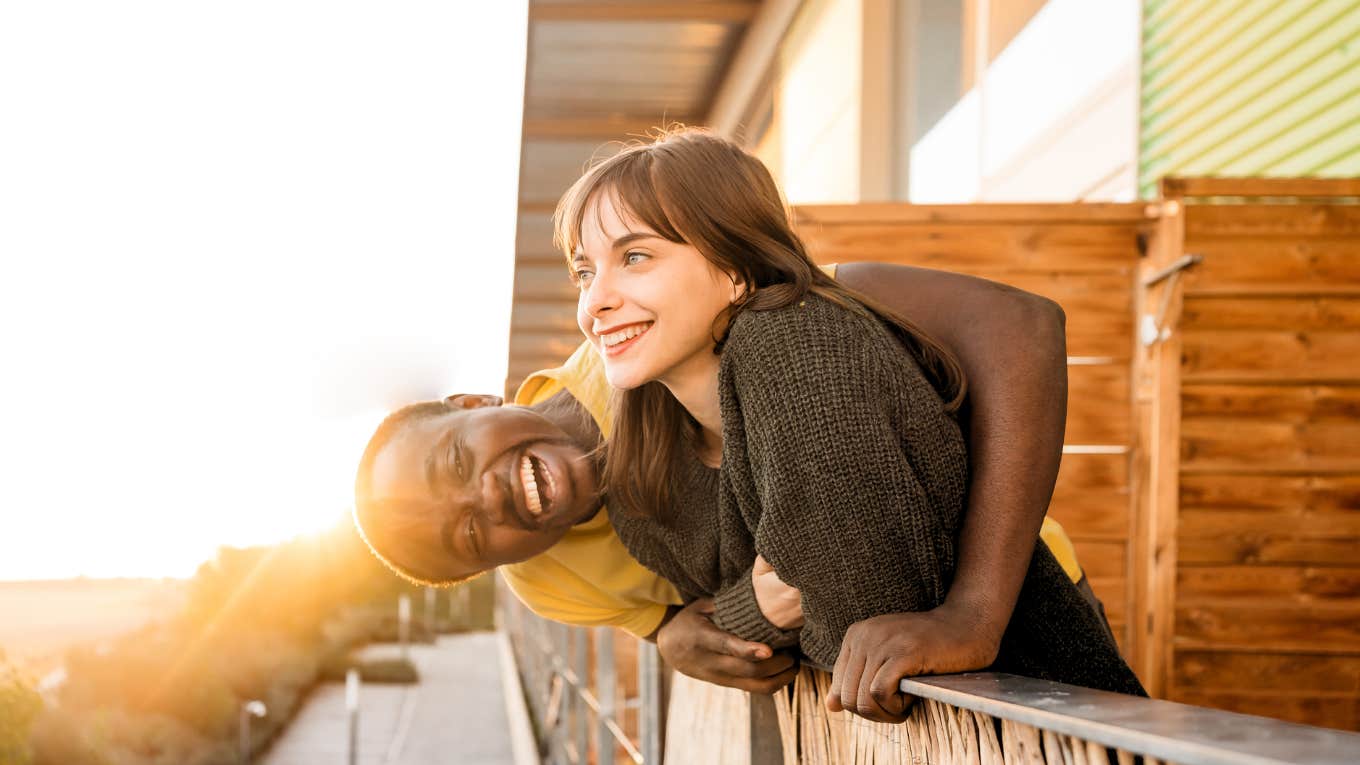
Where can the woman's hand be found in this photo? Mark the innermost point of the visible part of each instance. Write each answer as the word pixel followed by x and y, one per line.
pixel 692 644
pixel 781 604
pixel 877 653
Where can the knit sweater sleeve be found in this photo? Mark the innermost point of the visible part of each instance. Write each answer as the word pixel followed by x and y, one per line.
pixel 845 468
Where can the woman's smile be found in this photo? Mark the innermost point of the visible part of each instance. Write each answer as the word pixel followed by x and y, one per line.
pixel 615 341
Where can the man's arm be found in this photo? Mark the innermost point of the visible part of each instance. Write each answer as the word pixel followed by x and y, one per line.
pixel 1013 349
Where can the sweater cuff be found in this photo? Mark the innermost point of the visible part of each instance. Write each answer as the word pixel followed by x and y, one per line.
pixel 737 611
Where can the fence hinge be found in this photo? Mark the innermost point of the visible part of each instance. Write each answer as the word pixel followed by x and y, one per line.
pixel 1152 329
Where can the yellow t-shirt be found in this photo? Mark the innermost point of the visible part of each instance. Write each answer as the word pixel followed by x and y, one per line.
pixel 588 577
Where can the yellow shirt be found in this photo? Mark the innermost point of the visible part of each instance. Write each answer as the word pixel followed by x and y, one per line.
pixel 588 577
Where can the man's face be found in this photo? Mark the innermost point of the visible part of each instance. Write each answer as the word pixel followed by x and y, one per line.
pixel 481 486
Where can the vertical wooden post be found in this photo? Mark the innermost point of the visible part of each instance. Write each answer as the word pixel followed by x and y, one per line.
pixel 1156 457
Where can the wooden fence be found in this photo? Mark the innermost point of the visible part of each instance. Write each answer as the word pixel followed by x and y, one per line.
pixel 1256 513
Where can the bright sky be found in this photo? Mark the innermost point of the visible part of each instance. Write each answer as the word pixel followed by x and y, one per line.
pixel 232 236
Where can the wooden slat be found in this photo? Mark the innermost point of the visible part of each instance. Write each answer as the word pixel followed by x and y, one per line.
pixel 612 10
pixel 1216 355
pixel 1121 214
pixel 1113 593
pixel 1304 707
pixel 1236 445
pixel 1313 313
pixel 542 317
pixel 1267 548
pixel 1287 672
pixel 1091 496
pixel 575 127
pixel 1282 220
pixel 546 283
pixel 1268 626
pixel 1211 536
pixel 554 345
pixel 1040 247
pixel 1102 560
pixel 1300 585
pixel 1245 265
pixel 1277 403
pixel 1259 187
pixel 1098 405
pixel 1289 494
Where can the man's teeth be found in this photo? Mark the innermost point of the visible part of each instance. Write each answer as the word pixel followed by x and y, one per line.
pixel 627 333
pixel 532 497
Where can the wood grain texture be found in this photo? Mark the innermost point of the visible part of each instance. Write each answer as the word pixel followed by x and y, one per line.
pixel 1289 584
pixel 1071 248
pixel 1284 672
pixel 1258 187
pixel 1270 220
pixel 1098 405
pixel 1289 267
pixel 1267 626
pixel 1308 707
pixel 1271 356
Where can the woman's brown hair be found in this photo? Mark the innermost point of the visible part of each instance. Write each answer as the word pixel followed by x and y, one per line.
pixel 693 187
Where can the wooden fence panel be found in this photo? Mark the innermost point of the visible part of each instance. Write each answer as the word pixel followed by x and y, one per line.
pixel 1267 612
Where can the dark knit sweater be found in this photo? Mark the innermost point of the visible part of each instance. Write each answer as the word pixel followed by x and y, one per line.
pixel 841 468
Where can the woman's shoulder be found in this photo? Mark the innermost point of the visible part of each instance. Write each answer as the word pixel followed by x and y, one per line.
pixel 810 315
pixel 811 327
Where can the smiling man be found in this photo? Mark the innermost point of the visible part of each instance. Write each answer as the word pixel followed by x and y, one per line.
pixel 452 488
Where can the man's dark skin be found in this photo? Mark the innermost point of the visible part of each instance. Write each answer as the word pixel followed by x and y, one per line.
pixel 1013 350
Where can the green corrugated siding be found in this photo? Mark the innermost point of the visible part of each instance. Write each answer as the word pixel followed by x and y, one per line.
pixel 1249 88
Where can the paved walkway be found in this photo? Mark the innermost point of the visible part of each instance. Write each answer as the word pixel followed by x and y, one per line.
pixel 455 714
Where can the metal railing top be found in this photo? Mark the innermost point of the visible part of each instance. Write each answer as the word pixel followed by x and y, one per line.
pixel 1180 733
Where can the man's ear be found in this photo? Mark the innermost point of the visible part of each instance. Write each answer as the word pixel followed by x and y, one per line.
pixel 472 401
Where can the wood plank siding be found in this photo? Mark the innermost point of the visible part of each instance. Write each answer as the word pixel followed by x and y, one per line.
pixel 1267 581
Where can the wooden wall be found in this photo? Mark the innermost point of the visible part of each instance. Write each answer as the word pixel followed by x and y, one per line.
pixel 1085 258
pixel 1267 535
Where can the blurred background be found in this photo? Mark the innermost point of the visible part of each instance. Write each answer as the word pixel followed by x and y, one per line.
pixel 235 236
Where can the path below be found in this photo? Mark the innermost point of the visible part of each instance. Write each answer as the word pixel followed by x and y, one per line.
pixel 455 714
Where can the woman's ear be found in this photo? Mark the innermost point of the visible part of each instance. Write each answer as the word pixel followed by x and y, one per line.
pixel 738 288
pixel 472 401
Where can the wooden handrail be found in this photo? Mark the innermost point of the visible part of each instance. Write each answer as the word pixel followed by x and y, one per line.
pixel 1165 730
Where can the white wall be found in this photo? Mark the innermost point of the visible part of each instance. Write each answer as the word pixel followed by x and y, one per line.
pixel 1054 118
pixel 818 99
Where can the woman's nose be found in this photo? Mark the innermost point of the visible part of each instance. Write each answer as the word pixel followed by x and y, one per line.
pixel 600 296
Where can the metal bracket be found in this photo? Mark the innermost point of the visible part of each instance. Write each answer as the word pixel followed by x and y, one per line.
pixel 1153 329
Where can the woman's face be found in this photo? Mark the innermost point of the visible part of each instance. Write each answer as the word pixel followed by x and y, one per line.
pixel 491 485
pixel 647 304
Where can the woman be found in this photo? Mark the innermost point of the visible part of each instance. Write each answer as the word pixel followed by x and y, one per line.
pixel 770 414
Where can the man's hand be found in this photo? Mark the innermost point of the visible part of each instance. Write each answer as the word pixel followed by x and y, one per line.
pixel 781 604
pixel 692 644
pixel 877 653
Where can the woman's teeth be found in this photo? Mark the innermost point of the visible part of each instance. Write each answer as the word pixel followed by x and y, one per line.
pixel 532 498
pixel 627 333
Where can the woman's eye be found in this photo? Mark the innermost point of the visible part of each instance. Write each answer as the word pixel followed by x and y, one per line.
pixel 634 258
